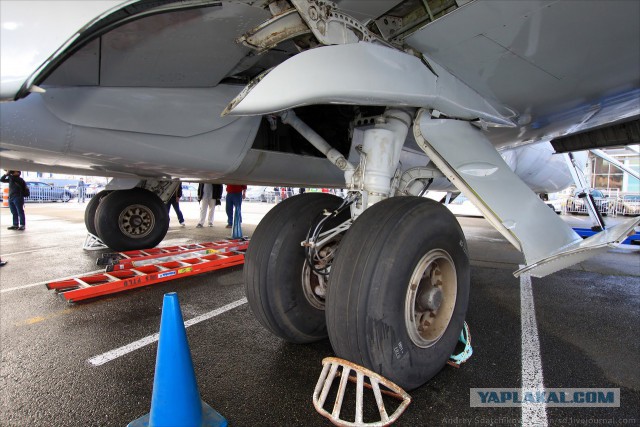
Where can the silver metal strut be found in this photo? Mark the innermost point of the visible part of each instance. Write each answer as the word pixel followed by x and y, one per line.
pixel 581 183
pixel 467 158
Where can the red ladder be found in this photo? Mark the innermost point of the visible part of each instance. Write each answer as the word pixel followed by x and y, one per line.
pixel 150 269
pixel 132 259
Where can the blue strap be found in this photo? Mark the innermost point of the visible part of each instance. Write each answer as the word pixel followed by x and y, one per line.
pixel 465 338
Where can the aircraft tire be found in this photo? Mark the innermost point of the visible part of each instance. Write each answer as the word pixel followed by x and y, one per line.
pixel 275 264
pixel 374 316
pixel 131 219
pixel 90 211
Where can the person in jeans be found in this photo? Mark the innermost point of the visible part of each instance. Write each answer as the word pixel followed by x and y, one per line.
pixel 235 194
pixel 17 192
pixel 175 202
pixel 209 196
pixel 81 191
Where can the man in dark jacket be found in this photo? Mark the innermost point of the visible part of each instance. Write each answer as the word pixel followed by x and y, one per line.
pixel 17 192
pixel 175 202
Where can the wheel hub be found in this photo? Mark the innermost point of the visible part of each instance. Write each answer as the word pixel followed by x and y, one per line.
pixel 314 284
pixel 431 298
pixel 136 221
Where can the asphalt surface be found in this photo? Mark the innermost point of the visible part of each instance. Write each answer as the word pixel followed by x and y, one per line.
pixel 587 319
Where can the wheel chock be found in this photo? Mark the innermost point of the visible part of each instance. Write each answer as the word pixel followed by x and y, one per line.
pixel 93 243
pixel 456 360
pixel 334 367
pixel 175 400
pixel 236 231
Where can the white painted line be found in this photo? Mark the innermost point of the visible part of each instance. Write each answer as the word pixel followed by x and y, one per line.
pixel 103 358
pixel 39 249
pixel 48 281
pixel 533 414
pixel 31 232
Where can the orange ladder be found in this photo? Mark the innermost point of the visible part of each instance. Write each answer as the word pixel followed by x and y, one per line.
pixel 138 258
pixel 152 269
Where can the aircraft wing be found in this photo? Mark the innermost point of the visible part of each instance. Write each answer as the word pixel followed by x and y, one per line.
pixel 138 87
pixel 562 66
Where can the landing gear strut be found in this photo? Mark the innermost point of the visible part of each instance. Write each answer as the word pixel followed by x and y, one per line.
pixel 396 283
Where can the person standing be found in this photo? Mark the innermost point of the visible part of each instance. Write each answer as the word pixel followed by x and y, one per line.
pixel 235 194
pixel 18 190
pixel 81 191
pixel 174 201
pixel 209 196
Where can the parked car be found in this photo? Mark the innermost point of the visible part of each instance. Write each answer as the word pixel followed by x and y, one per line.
pixel 258 194
pixel 554 202
pixel 189 193
pixel 461 206
pixel 629 205
pixel 44 192
pixel 576 204
pixel 93 189
pixel 73 189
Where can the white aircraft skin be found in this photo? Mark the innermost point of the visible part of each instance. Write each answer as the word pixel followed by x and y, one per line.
pixel 384 98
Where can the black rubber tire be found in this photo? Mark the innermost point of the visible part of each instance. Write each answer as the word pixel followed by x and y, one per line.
pixel 90 211
pixel 111 227
pixel 273 268
pixel 368 286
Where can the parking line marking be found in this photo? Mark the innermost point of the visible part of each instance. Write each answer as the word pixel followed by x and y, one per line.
pixel 39 249
pixel 2 291
pixel 533 414
pixel 103 358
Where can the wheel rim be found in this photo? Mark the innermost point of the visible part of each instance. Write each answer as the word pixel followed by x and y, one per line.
pixel 136 221
pixel 314 285
pixel 431 298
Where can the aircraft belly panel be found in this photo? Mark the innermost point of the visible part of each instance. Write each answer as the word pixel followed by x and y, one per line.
pixel 209 154
pixel 28 127
pixel 182 112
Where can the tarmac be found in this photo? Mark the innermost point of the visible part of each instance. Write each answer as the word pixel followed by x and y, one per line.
pixel 585 319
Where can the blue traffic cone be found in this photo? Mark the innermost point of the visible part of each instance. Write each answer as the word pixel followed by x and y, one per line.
pixel 237 230
pixel 175 400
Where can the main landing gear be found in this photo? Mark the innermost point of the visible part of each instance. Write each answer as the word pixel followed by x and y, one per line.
pixel 388 281
pixel 397 291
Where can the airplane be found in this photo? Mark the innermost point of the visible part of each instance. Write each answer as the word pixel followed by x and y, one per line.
pixel 385 98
